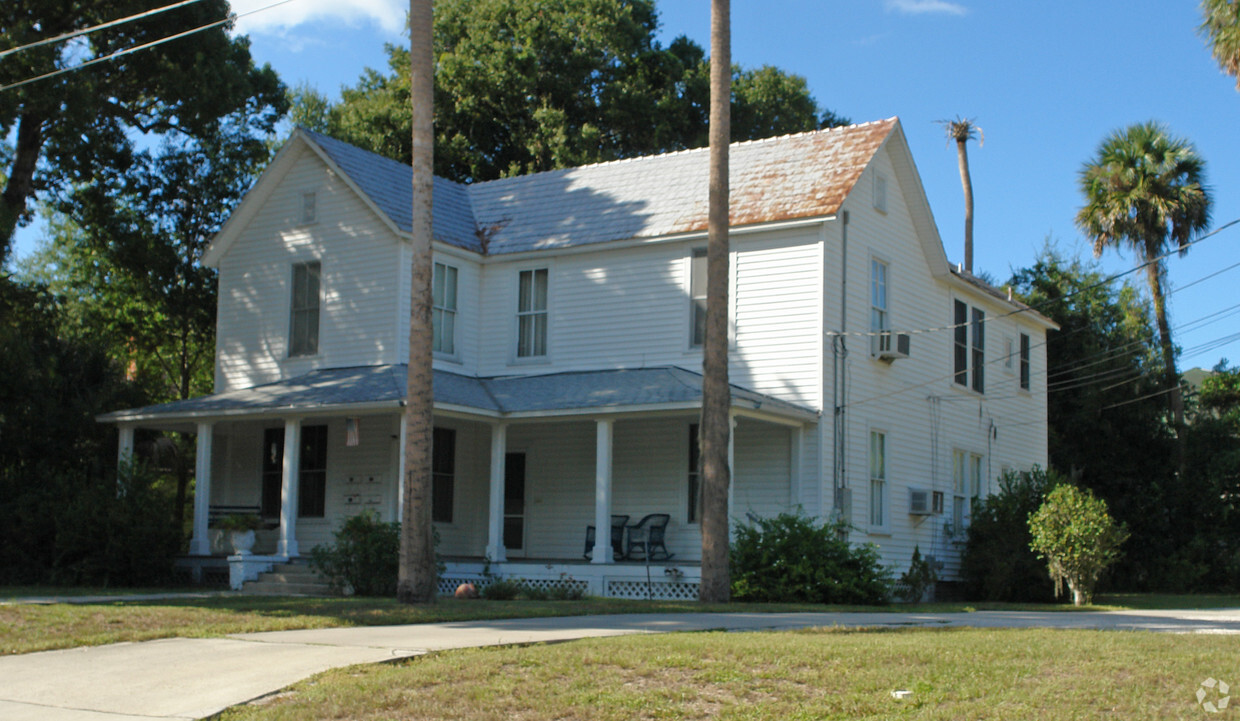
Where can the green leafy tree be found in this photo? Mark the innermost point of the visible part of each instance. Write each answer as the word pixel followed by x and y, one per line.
pixel 1077 537
pixel 523 87
pixel 1221 28
pixel 77 126
pixel 1145 191
pixel 998 563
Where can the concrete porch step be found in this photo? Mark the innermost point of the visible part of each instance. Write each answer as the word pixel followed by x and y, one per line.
pixel 289 579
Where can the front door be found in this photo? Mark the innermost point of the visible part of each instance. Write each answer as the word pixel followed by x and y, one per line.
pixel 514 503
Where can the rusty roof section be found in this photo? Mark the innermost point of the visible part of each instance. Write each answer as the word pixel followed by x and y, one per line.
pixel 805 175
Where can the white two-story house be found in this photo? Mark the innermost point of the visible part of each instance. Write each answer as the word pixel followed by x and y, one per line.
pixel 872 380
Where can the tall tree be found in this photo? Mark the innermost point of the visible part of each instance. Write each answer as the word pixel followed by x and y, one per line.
pixel 1145 190
pixel 70 128
pixel 716 393
pixel 1221 28
pixel 962 130
pixel 416 582
pixel 571 82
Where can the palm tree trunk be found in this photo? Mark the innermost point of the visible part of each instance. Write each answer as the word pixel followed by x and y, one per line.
pixel 417 547
pixel 716 393
pixel 1154 274
pixel 962 157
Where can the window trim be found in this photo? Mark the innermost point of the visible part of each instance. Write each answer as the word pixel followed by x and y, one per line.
pixel 883 526
pixel 294 351
pixel 545 312
pixel 885 325
pixel 694 254
pixel 439 309
pixel 967 477
pixel 968 346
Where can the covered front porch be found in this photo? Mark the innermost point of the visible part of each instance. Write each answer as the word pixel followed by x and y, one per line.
pixel 522 466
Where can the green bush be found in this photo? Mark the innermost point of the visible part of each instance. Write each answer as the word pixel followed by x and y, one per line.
pixel 919 578
pixel 998 564
pixel 792 558
pixel 1077 537
pixel 365 556
pixel 502 589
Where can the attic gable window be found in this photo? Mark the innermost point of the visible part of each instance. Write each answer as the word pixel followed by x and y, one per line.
pixel 304 309
pixel 309 207
pixel 880 192
pixel 532 313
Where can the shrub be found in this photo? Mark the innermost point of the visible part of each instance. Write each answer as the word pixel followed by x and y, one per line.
pixel 998 563
pixel 502 589
pixel 792 558
pixel 365 556
pixel 919 577
pixel 1077 537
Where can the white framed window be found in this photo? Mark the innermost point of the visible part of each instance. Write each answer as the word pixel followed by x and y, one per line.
pixel 879 316
pixel 879 511
pixel 443 308
pixel 532 313
pixel 969 346
pixel 1009 354
pixel 966 488
pixel 304 309
pixel 309 207
pixel 697 298
pixel 880 192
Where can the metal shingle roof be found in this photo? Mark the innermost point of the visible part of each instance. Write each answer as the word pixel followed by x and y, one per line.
pixel 377 385
pixel 789 177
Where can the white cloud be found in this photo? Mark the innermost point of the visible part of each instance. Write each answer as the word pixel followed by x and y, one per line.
pixel 388 15
pixel 926 7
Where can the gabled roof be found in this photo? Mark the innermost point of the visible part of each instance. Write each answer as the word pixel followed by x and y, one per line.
pixel 376 387
pixel 806 175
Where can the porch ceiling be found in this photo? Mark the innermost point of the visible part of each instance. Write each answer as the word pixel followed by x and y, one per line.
pixel 379 388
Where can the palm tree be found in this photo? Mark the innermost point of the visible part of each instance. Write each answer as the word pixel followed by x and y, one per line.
pixel 1144 190
pixel 1221 28
pixel 417 546
pixel 962 130
pixel 716 393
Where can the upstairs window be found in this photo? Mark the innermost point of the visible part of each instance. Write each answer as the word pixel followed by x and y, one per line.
pixel 697 298
pixel 304 314
pixel 443 309
pixel 1024 362
pixel 532 314
pixel 969 346
pixel 878 296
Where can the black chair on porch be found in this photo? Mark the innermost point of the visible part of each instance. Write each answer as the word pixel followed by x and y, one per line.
pixel 646 536
pixel 617 538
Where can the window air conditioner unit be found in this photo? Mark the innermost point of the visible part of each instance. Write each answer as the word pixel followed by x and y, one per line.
pixel 888 345
pixel 919 502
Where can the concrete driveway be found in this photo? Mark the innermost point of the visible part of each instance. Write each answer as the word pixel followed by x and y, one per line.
pixel 184 678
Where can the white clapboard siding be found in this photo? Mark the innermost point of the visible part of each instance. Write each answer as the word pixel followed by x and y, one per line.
pixel 358 287
pixel 762 482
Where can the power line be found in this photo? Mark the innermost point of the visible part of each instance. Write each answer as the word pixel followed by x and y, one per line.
pixel 94 28
pixel 153 43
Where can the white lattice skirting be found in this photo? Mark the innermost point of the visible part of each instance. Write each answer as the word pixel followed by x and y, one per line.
pixel 674 584
pixel 661 591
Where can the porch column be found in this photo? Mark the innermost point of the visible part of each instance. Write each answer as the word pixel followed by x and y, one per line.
pixel 289 487
pixel 731 468
pixel 495 517
pixel 200 543
pixel 400 469
pixel 602 491
pixel 124 445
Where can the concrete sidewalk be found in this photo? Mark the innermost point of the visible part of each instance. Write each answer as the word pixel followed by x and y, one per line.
pixel 193 678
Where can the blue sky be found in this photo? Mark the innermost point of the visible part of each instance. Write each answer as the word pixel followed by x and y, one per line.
pixel 1045 81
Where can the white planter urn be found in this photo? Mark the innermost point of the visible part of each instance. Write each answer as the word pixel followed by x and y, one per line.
pixel 242 542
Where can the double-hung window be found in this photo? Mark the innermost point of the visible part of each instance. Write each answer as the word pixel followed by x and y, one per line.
pixel 694 508
pixel 966 487
pixel 969 346
pixel 311 477
pixel 697 298
pixel 443 309
pixel 878 296
pixel 304 309
pixel 532 313
pixel 878 480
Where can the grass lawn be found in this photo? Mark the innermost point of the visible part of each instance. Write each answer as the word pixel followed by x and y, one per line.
pixel 27 628
pixel 819 674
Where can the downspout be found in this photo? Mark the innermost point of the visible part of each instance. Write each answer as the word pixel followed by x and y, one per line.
pixel 839 352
